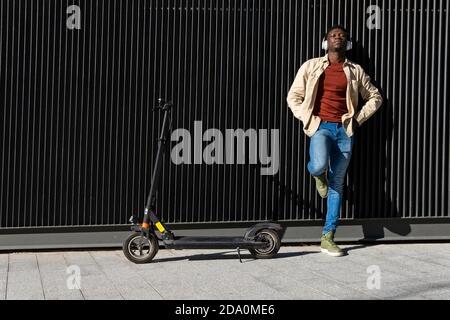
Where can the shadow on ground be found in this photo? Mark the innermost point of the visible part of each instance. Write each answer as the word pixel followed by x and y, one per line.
pixel 232 255
pixel 227 256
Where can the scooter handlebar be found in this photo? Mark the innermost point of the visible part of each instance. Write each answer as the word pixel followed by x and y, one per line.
pixel 163 105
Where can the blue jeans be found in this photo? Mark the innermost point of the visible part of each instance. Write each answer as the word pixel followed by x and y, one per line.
pixel 331 149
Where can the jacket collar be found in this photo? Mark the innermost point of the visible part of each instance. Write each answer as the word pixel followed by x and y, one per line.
pixel 346 62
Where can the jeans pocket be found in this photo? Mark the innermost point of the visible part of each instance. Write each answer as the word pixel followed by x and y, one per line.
pixel 345 143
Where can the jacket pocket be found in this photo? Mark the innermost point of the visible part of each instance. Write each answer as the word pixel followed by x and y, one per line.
pixel 302 111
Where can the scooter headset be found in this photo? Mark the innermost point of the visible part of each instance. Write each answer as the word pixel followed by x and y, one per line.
pixel 325 38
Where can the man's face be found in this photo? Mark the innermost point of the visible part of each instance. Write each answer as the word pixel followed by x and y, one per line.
pixel 337 40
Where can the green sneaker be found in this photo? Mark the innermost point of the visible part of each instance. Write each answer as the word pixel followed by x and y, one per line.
pixel 327 245
pixel 321 185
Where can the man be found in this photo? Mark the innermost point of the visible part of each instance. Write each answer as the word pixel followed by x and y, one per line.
pixel 324 97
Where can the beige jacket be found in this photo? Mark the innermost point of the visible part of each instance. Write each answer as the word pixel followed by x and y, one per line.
pixel 302 95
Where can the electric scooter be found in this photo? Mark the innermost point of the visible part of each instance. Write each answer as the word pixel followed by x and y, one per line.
pixel 262 239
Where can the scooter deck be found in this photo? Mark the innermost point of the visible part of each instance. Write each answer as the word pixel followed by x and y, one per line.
pixel 213 243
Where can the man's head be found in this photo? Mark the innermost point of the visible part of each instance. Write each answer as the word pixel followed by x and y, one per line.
pixel 337 38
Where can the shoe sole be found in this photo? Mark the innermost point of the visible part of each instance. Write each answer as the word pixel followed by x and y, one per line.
pixel 334 254
pixel 323 196
pixel 325 193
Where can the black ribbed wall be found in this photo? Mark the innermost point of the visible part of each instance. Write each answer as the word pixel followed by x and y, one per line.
pixel 77 134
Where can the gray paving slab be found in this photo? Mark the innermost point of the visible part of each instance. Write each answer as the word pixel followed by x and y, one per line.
pixel 24 279
pixel 329 278
pixel 251 279
pixel 288 274
pixel 4 261
pixel 337 290
pixel 426 287
pixel 386 290
pixel 174 277
pixel 3 282
pixel 55 276
pixel 391 266
pixel 406 271
pixel 94 283
pixel 122 276
pixel 421 266
pixel 437 295
pixel 207 279
pixel 252 271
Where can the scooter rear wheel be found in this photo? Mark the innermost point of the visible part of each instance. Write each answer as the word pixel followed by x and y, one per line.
pixel 273 244
pixel 140 249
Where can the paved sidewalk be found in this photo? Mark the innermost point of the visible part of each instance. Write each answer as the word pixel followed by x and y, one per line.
pixel 382 271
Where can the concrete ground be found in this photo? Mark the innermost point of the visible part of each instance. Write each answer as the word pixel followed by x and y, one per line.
pixel 381 271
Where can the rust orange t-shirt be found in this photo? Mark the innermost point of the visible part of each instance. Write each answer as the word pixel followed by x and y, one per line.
pixel 331 102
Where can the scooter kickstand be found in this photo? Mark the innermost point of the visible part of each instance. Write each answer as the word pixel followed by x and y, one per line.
pixel 239 254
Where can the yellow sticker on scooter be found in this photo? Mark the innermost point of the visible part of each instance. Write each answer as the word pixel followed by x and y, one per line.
pixel 160 227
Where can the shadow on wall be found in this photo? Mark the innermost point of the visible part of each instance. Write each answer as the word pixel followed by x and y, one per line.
pixel 369 190
pixel 285 194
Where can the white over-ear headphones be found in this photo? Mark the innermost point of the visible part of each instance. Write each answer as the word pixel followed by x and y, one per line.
pixel 325 44
pixel 325 41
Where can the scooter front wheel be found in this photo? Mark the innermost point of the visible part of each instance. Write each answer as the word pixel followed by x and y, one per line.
pixel 140 249
pixel 273 244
